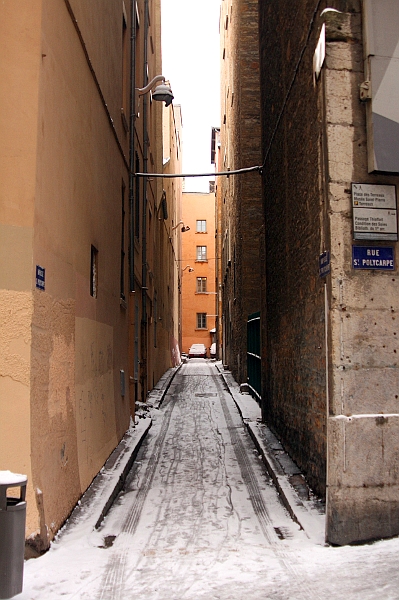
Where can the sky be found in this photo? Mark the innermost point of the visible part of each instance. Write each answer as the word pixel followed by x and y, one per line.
pixel 190 59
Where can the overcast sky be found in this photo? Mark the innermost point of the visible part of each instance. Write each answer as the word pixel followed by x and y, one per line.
pixel 190 57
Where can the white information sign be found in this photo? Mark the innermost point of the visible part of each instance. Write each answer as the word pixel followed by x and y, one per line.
pixel 374 212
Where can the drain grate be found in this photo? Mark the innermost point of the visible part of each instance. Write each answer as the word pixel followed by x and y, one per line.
pixel 206 395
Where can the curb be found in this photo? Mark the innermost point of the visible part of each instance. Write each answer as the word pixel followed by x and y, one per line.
pixel 99 497
pixel 122 477
pixel 287 477
pixel 157 394
pixel 154 399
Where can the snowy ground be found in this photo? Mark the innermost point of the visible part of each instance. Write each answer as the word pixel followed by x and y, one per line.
pixel 199 518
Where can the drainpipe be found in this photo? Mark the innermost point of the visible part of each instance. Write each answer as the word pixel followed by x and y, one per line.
pixel 132 146
pixel 144 232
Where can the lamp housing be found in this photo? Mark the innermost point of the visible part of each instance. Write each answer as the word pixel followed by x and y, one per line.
pixel 163 93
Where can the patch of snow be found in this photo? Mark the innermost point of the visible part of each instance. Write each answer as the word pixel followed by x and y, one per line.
pixel 9 478
pixel 349 418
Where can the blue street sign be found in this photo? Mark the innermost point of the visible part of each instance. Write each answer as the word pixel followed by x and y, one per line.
pixel 373 257
pixel 40 278
pixel 324 264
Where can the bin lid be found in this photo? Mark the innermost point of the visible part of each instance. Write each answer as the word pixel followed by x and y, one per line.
pixel 9 479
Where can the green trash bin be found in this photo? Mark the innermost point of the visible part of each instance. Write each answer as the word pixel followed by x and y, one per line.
pixel 12 534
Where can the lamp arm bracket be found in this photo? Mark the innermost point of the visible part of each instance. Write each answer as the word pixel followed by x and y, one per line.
pixel 150 85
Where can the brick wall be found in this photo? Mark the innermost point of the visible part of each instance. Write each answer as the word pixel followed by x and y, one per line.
pixel 240 196
pixel 294 362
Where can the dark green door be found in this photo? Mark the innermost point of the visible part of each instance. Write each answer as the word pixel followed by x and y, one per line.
pixel 253 355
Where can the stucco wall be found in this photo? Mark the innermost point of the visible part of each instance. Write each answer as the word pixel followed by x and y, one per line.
pixel 62 170
pixel 19 73
pixel 79 341
pixel 198 207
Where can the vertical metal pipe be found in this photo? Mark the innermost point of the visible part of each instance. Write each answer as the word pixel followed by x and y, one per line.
pixel 132 145
pixel 144 341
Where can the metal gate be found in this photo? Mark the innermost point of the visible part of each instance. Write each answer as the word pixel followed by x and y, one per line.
pixel 253 355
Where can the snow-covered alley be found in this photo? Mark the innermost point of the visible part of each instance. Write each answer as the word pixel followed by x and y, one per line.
pixel 200 518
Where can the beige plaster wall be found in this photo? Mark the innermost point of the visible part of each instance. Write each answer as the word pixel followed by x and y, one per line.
pixel 79 342
pixel 62 168
pixel 94 385
pixel 19 75
pixel 106 61
pixel 169 243
pixel 16 310
pixel 55 475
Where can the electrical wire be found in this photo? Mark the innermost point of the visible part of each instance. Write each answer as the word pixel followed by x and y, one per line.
pixel 258 168
pixel 227 173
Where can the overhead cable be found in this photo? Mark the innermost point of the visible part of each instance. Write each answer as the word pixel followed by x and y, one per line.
pixel 228 173
pixel 258 168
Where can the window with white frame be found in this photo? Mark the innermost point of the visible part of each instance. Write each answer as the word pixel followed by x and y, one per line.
pixel 201 285
pixel 201 253
pixel 201 226
pixel 201 320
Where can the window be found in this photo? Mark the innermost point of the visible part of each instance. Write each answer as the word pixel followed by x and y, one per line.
pixel 155 318
pixel 125 73
pixel 137 200
pixel 201 226
pixel 94 272
pixel 201 253
pixel 201 320
pixel 201 285
pixel 136 341
pixel 122 275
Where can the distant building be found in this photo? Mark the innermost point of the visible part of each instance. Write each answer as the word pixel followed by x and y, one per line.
pixel 198 274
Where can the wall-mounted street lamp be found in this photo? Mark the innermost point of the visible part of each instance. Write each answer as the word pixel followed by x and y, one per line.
pixel 190 269
pixel 183 229
pixel 162 93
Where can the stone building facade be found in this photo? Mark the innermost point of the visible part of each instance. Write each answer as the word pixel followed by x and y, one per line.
pixel 240 208
pixel 77 306
pixel 330 367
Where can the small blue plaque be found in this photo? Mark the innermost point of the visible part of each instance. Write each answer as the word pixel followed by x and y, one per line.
pixel 324 264
pixel 373 257
pixel 40 277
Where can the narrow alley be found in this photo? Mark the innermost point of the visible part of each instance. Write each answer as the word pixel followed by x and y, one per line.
pixel 200 517
pixel 197 496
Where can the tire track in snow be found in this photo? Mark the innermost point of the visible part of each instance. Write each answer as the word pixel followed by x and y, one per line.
pixel 168 448
pixel 256 497
pixel 113 581
pixel 194 417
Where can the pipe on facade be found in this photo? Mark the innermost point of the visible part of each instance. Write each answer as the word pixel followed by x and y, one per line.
pixel 144 215
pixel 132 147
